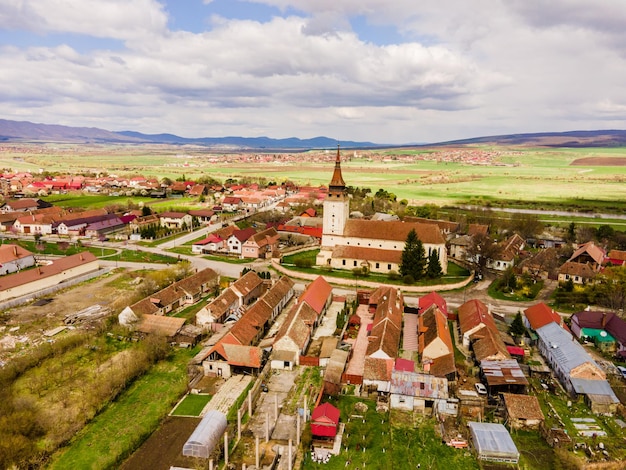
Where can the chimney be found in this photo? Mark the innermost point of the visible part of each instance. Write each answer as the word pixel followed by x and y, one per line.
pixel 604 315
pixel 15 250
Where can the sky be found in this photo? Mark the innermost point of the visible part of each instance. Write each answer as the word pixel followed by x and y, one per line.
pixel 390 72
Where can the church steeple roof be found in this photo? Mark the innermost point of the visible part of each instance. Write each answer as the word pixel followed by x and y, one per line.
pixel 337 183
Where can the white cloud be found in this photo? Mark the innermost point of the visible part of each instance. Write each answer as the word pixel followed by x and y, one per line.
pixel 465 69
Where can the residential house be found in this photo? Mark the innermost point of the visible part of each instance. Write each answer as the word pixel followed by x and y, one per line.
pixel 578 273
pixel 478 329
pixel 294 336
pixel 30 281
pixel 540 315
pixel 509 250
pixel 232 204
pixel 433 298
pixel 543 265
pixel 198 190
pixel 211 244
pixel 435 342
pixel 175 220
pixel 235 242
pixel 261 244
pixel 204 216
pixel 459 246
pixel 177 295
pixel 22 205
pixel 592 324
pixel 324 421
pixel 615 258
pixel 579 374
pixel 14 258
pixel 414 391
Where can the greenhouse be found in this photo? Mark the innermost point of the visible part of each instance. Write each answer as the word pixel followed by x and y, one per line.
pixel 493 442
pixel 206 436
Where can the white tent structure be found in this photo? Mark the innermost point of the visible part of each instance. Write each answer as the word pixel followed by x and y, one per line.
pixel 493 442
pixel 206 436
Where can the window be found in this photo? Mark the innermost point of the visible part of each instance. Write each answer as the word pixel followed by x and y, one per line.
pixel 389 266
pixel 377 265
pixel 354 263
pixel 343 262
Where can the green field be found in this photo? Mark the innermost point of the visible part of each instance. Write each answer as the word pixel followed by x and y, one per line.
pixel 129 420
pixel 501 176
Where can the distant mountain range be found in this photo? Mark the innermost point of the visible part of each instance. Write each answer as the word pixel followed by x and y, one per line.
pixel 24 131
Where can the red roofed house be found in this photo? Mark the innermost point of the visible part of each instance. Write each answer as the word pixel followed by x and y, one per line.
pixel 261 244
pixel 324 421
pixel 294 335
pixel 238 238
pixel 616 257
pixel 435 343
pixel 14 258
pixel 433 298
pixel 540 315
pixel 210 244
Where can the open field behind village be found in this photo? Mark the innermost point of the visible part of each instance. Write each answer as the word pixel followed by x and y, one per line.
pixel 440 175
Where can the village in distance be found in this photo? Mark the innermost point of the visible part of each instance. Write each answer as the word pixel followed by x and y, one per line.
pixel 260 323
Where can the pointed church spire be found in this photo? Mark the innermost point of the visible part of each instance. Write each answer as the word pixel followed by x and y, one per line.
pixel 337 184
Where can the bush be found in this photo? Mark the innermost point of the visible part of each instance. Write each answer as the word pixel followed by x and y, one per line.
pixel 393 275
pixel 408 279
pixel 303 263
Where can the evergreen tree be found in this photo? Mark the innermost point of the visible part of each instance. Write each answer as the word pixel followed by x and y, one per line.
pixel 517 328
pixel 413 262
pixel 434 266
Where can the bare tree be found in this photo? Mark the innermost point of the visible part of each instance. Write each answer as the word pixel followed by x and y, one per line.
pixel 482 250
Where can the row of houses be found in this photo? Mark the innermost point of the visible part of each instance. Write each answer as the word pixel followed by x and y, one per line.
pixel 246 243
pixel 236 349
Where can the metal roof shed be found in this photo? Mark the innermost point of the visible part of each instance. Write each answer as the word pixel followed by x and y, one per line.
pixel 206 436
pixel 493 442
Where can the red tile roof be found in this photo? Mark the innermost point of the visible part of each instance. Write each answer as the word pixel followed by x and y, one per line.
pixel 317 294
pixel 393 230
pixel 540 315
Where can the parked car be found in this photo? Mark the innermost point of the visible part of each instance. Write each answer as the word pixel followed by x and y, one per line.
pixel 480 388
pixel 622 370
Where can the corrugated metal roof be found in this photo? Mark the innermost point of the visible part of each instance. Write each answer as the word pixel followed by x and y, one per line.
pixel 563 347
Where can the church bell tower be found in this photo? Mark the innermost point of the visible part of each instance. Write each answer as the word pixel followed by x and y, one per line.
pixel 336 206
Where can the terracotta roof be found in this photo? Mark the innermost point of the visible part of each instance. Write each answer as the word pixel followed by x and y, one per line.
pixel 317 294
pixel 392 230
pixel 433 299
pixel 433 325
pixel 221 303
pixel 592 250
pixel 444 225
pixel 27 276
pixel 578 269
pixel 337 183
pixel 247 283
pixel 477 229
pixel 540 315
pixel 617 255
pixel 297 324
pixel 523 406
pixel 443 366
pixel 160 325
pixel 243 235
pixel 489 345
pixel 368 254
pixel 172 215
pixel 243 356
pixel 472 313
pixel 10 252
pixel 377 369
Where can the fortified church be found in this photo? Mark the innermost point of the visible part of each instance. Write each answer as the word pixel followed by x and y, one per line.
pixel 378 245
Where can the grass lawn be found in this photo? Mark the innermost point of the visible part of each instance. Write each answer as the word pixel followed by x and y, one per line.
pixel 455 274
pixel 192 405
pixel 142 257
pixel 89 201
pixel 387 441
pixel 123 425
pixel 523 294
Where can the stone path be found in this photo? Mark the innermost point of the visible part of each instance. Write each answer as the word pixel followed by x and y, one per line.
pixel 228 393
pixel 357 362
